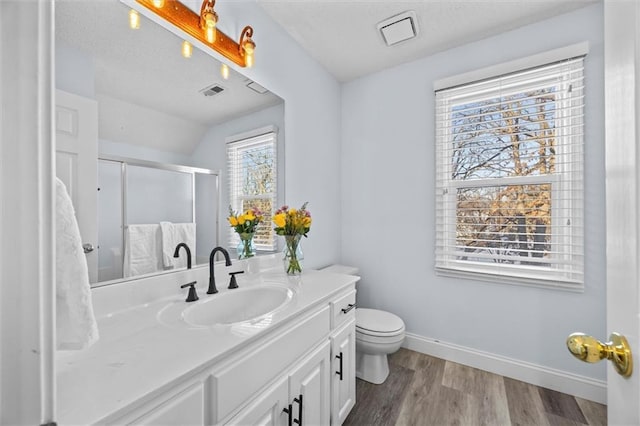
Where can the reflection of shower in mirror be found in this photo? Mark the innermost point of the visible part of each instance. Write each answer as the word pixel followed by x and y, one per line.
pixel 146 208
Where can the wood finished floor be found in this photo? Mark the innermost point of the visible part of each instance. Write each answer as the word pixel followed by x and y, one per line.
pixel 423 390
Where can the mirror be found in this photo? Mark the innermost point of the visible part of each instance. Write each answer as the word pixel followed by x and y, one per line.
pixel 158 107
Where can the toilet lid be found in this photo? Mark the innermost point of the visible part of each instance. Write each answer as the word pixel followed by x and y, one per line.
pixel 373 320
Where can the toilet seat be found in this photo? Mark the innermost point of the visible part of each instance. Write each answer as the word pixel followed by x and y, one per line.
pixel 375 323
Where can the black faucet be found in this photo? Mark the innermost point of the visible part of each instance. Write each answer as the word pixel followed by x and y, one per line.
pixel 212 279
pixel 177 254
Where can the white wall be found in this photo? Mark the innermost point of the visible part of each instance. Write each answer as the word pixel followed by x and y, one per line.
pixel 74 71
pixel 312 123
pixel 388 184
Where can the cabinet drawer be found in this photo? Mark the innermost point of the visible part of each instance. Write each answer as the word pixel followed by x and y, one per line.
pixel 343 309
pixel 185 408
pixel 235 384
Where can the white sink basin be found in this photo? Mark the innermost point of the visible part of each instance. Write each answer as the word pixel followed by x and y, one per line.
pixel 234 306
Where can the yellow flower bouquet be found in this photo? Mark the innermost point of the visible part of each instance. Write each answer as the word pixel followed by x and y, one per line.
pixel 292 224
pixel 245 225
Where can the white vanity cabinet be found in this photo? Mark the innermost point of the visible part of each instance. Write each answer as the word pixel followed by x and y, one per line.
pixel 298 371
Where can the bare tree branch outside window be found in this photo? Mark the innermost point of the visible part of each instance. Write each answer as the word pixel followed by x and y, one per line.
pixel 504 137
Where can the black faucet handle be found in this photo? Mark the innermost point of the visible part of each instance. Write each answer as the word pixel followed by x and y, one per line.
pixel 232 282
pixel 193 296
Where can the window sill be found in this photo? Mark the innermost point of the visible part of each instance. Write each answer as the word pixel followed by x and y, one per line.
pixel 573 287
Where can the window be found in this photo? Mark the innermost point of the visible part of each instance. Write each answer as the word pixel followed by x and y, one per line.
pixel 253 182
pixel 509 169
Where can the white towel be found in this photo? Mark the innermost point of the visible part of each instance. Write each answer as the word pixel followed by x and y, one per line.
pixel 174 234
pixel 142 250
pixel 75 322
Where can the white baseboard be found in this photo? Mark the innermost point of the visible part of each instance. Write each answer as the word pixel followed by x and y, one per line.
pixel 561 381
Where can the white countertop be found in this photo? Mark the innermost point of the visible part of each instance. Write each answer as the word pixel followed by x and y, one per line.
pixel 140 351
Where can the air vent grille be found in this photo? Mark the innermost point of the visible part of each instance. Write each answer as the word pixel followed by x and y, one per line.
pixel 399 28
pixel 212 90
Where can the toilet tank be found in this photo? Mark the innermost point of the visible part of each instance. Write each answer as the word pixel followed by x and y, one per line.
pixel 341 269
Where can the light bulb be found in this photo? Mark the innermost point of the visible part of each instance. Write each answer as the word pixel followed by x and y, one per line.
pixel 224 71
pixel 210 19
pixel 211 34
pixel 249 46
pixel 208 22
pixel 158 3
pixel 134 20
pixel 187 49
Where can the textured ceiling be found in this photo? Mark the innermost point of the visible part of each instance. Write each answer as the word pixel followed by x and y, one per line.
pixel 342 35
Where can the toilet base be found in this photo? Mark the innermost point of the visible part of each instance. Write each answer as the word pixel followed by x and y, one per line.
pixel 372 368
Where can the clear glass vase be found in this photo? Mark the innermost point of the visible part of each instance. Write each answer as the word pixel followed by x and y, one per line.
pixel 245 246
pixel 293 256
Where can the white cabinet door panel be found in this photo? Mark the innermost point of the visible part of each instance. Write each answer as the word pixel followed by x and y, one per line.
pixel 267 409
pixel 343 372
pixel 311 380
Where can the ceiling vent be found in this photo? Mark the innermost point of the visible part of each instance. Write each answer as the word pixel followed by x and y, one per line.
pixel 212 90
pixel 399 28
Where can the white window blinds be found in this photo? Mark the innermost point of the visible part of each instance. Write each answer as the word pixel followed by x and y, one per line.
pixel 253 183
pixel 509 173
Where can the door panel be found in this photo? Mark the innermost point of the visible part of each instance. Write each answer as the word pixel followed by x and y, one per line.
pixel 622 37
pixel 76 122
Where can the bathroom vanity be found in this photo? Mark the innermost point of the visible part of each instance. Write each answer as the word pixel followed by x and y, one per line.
pixel 165 361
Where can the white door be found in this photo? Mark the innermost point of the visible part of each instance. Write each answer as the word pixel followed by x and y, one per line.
pixel 76 122
pixel 622 40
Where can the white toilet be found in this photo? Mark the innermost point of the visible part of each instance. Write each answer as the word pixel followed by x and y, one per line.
pixel 378 334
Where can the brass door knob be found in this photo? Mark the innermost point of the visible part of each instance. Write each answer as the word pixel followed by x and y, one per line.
pixel 589 349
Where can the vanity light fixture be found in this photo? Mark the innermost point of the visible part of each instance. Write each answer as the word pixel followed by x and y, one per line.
pixel 134 20
pixel 203 27
pixel 187 49
pixel 224 71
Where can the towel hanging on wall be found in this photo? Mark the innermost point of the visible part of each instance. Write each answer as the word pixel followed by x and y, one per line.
pixel 75 322
pixel 174 234
pixel 142 250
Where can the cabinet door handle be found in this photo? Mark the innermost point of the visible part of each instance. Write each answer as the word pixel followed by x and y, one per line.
pixel 339 373
pixel 348 308
pixel 289 411
pixel 298 421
